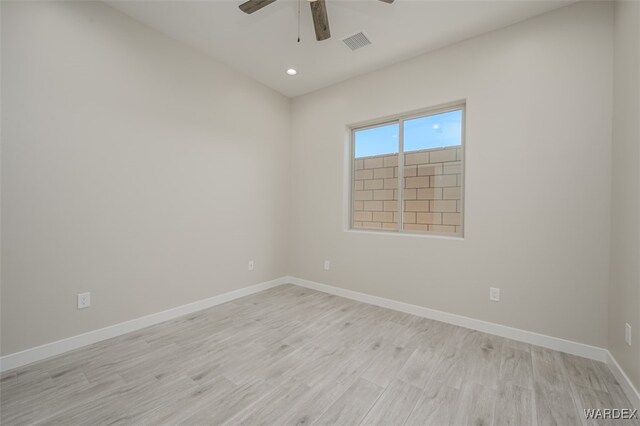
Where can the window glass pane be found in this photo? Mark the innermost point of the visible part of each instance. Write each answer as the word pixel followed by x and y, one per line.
pixel 376 141
pixel 433 174
pixel 433 131
pixel 375 178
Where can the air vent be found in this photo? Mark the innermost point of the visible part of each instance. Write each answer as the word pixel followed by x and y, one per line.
pixel 356 41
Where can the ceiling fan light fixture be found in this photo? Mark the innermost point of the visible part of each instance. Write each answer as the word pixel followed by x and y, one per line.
pixel 291 71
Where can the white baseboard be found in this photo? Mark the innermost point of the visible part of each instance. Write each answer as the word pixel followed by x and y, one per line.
pixel 624 381
pixel 562 345
pixel 19 359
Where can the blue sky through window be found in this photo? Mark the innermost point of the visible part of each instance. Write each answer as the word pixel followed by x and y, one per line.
pixel 433 131
pixel 377 141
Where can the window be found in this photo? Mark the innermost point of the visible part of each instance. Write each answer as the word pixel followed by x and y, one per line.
pixel 407 174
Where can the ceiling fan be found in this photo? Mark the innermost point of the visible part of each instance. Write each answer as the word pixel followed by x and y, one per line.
pixel 318 11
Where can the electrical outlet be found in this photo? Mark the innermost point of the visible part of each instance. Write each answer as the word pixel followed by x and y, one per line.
pixel 327 265
pixel 84 300
pixel 627 333
pixel 251 265
pixel 494 294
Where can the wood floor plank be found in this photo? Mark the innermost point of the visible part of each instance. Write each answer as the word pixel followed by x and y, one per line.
pixel 583 372
pixel 548 371
pixel 182 405
pixel 516 367
pixel 271 406
pixel 287 366
pixel 221 409
pixel 386 365
pixel 438 405
pixel 58 399
pixel 313 404
pixel 514 405
pixel 256 362
pixel 325 366
pixel 555 407
pixel 353 405
pixel 8 379
pixel 419 367
pixel 483 355
pixel 355 367
pixel 476 405
pixel 394 405
pixel 452 368
pixel 122 404
pixel 21 393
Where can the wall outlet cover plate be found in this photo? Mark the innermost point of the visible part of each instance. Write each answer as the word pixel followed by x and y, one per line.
pixel 84 300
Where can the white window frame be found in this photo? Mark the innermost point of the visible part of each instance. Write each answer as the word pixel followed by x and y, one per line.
pixel 400 119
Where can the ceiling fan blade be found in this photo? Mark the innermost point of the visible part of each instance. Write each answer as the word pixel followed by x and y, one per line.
pixel 387 1
pixel 320 19
pixel 253 5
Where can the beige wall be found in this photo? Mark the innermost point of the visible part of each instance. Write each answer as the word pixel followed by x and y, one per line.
pixel 128 170
pixel 537 175
pixel 624 290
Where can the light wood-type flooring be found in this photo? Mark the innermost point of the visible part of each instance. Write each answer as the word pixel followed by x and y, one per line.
pixel 290 355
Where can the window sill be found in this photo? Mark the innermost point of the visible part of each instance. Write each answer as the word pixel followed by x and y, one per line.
pixel 406 234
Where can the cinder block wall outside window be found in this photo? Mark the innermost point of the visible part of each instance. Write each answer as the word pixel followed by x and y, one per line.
pixel 432 191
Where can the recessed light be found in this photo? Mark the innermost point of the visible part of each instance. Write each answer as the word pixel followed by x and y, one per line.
pixel 291 71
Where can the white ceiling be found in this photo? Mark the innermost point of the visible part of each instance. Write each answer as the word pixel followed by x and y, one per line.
pixel 263 45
